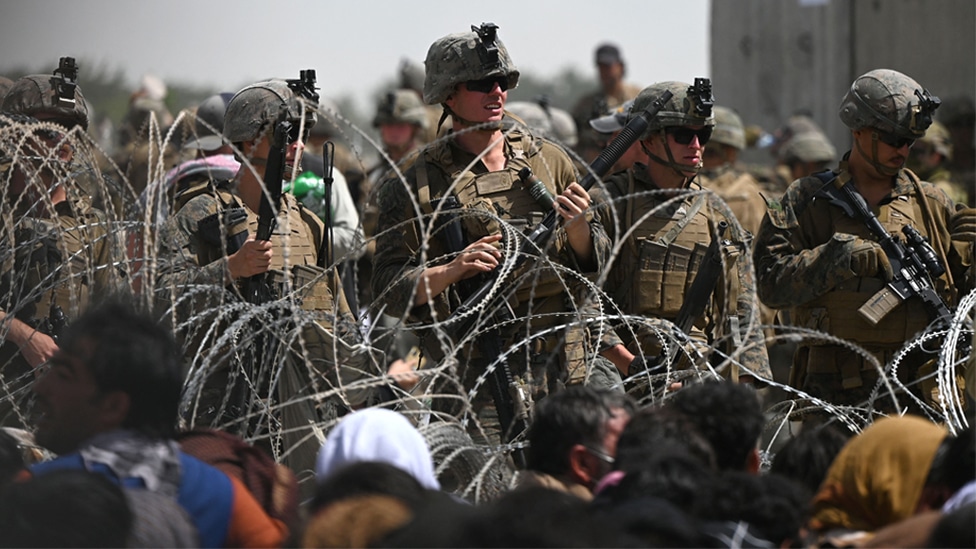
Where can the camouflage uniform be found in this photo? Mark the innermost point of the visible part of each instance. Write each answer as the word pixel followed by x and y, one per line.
pixel 656 267
pixel 804 260
pixel 488 198
pixel 52 267
pixel 300 338
pixel 543 294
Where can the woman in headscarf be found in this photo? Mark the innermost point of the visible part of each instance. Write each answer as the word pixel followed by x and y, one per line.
pixel 876 480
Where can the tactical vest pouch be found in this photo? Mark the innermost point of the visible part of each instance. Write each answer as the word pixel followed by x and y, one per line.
pixel 676 269
pixel 901 324
pixel 231 222
pixel 650 275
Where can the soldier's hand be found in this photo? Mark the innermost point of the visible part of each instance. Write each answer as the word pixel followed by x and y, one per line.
pixel 962 225
pixel 478 257
pixel 572 202
pixel 37 350
pixel 253 258
pixel 869 260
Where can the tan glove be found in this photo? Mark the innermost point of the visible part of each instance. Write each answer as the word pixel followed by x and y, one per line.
pixel 962 225
pixel 868 259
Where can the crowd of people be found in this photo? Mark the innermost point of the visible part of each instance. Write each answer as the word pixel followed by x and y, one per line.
pixel 518 326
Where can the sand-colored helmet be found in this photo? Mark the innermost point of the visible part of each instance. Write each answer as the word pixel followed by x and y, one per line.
pixel 808 147
pixel 401 106
pixel 253 110
pixel 689 105
pixel 465 56
pixel 729 129
pixel 938 137
pixel 48 97
pixel 888 101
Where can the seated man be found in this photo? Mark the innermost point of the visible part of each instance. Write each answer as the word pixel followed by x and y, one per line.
pixel 109 405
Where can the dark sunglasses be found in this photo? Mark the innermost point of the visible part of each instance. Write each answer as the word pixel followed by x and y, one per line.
pixel 893 140
pixel 295 133
pixel 683 136
pixel 485 85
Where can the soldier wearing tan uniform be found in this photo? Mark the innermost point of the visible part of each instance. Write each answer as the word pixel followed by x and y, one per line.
pixel 720 173
pixel 667 222
pixel 613 92
pixel 421 277
pixel 302 341
pixel 58 250
pixel 824 264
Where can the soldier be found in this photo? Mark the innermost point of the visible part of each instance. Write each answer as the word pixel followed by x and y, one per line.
pixel 613 92
pixel 305 330
pixel 57 98
pixel 738 188
pixel 958 115
pixel 609 125
pixel 57 251
pixel 666 222
pixel 471 179
pixel 930 158
pixel 412 75
pixel 824 264
pixel 805 154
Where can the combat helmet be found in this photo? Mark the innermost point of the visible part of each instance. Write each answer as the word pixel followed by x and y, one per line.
pixel 56 97
pixel 688 106
pixel 938 137
pixel 401 106
pixel 729 129
pixel 888 101
pixel 253 110
pixel 808 147
pixel 465 56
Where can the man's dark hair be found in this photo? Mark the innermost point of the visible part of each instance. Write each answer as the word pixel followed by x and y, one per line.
pixel 727 414
pixel 577 415
pixel 65 508
pixel 808 455
pixel 131 352
pixel 775 506
pixel 655 429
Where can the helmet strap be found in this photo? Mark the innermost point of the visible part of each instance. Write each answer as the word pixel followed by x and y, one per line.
pixel 679 169
pixel 467 123
pixel 873 157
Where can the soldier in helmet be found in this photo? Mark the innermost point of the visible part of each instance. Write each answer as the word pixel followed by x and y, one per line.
pixel 58 252
pixel 824 264
pixel 666 223
pixel 302 342
pixel 609 126
pixel 469 180
pixel 723 175
pixel 807 153
pixel 930 158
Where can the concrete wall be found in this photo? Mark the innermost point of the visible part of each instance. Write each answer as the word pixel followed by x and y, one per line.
pixel 771 58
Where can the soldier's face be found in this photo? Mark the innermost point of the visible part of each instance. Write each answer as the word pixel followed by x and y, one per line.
pixel 262 149
pixel 684 150
pixel 891 156
pixel 397 135
pixel 480 106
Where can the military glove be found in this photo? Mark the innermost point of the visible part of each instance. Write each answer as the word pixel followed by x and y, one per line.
pixel 962 225
pixel 868 259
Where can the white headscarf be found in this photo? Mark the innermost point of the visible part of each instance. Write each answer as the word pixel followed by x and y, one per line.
pixel 377 434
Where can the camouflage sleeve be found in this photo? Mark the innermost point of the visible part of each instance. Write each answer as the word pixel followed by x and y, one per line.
pixel 954 227
pixel 791 271
pixel 179 249
pixel 750 339
pixel 396 267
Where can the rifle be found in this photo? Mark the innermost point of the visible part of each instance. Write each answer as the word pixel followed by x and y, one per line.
pixel 912 262
pixel 509 396
pixel 256 289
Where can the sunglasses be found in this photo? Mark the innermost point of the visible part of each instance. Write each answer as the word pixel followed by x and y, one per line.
pixel 485 85
pixel 893 140
pixel 683 136
pixel 295 133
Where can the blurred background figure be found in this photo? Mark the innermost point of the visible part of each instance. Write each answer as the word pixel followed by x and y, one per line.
pixel 958 115
pixel 608 126
pixel 612 93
